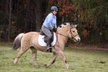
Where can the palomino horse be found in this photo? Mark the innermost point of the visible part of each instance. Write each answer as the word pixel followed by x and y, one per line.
pixel 30 41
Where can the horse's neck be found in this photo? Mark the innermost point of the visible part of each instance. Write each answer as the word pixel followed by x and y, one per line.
pixel 62 35
pixel 62 39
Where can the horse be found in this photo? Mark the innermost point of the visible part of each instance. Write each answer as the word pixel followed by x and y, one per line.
pixel 29 40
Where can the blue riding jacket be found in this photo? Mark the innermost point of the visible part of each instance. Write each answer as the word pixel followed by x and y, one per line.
pixel 50 21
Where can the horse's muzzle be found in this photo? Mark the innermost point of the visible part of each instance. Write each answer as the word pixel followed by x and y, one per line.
pixel 77 39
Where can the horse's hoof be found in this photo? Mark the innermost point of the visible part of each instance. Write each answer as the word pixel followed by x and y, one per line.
pixel 67 66
pixel 14 62
pixel 46 65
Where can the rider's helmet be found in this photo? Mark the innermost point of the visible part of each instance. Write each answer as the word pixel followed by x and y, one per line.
pixel 54 8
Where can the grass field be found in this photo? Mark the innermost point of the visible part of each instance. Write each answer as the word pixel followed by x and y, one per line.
pixel 80 60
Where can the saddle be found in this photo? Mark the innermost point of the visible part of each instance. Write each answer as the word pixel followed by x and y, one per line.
pixel 42 39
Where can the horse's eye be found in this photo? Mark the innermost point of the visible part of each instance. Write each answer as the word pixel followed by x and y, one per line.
pixel 73 31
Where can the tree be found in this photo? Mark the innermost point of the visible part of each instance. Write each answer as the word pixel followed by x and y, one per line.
pixel 94 17
pixel 10 15
pixel 38 15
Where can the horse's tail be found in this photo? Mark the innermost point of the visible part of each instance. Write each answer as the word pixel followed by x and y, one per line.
pixel 17 41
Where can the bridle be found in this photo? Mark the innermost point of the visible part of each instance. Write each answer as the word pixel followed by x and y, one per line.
pixel 72 35
pixel 67 36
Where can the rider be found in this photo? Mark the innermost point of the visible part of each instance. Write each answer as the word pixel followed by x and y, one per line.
pixel 49 25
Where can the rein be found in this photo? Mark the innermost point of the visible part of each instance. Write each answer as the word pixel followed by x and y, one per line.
pixel 61 34
pixel 67 36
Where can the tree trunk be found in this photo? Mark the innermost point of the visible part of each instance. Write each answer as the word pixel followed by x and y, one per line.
pixel 9 29
pixel 38 15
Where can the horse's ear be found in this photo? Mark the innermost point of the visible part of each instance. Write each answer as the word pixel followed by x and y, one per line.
pixel 75 25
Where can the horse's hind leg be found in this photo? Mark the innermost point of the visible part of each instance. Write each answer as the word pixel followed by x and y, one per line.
pixel 52 61
pixel 34 56
pixel 19 54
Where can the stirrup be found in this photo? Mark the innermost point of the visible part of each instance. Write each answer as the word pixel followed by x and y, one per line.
pixel 49 49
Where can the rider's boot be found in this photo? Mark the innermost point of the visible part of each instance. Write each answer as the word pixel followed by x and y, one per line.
pixel 49 47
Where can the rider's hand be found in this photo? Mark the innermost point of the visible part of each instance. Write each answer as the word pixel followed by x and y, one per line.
pixel 54 29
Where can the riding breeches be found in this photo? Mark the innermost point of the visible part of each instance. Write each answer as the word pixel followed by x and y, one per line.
pixel 47 32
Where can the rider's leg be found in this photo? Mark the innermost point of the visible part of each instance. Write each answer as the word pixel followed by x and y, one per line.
pixel 48 33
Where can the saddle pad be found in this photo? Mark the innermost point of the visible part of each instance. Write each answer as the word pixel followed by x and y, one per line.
pixel 42 43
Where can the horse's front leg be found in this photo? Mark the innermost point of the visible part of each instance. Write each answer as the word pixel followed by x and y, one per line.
pixel 52 61
pixel 62 57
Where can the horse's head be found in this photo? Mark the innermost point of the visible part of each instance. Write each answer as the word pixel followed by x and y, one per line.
pixel 74 33
pixel 69 30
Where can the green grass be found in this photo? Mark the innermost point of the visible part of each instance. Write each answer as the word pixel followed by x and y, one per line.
pixel 80 60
